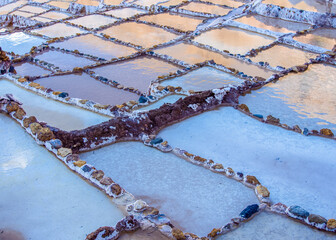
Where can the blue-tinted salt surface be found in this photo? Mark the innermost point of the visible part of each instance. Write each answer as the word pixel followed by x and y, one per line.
pixel 19 43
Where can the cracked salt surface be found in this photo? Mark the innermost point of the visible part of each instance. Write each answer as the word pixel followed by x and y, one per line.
pixel 194 198
pixel 40 197
pixel 296 169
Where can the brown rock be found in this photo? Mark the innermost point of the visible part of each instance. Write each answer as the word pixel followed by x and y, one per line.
pixel 214 232
pixel 188 154
pixel 116 189
pixel 72 158
pixel 34 84
pixel 20 113
pixel 313 218
pixel 107 231
pixel 230 171
pixel 151 211
pixel 28 121
pixel 83 101
pixel 263 191
pixel 178 234
pixel 106 181
pixel 244 107
pixel 79 163
pixel 63 152
pixel 35 127
pixel 272 120
pixel 218 166
pixel 331 224
pixel 327 132
pixel 252 180
pixel 297 129
pixel 200 159
pixel 45 134
pixel 22 80
pixel 12 106
pixel 99 174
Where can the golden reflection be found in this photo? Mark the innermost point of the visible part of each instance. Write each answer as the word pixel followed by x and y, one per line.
pixel 202 7
pixel 325 38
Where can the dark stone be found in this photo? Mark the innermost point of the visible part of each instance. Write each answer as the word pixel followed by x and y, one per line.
pixel 305 131
pixel 11 69
pixel 258 116
pixel 86 168
pixel 63 95
pixel 128 224
pixel 56 143
pixel 156 141
pixel 298 211
pixel 143 99
pixel 249 211
pixel 313 218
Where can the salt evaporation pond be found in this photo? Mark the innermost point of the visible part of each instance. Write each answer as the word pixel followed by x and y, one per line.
pixel 124 12
pixel 93 21
pixel 95 46
pixel 271 226
pixel 272 24
pixel 306 99
pixel 192 55
pixel 40 197
pixel 139 34
pixel 194 198
pixel 204 78
pixel 54 113
pixel 205 8
pixel 85 87
pixel 58 30
pixel 237 41
pixel 29 69
pixel 137 73
pixel 279 56
pixel 324 37
pixel 19 43
pixel 297 170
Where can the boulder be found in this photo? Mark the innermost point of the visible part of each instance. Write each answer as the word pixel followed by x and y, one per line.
pixel 28 121
pixel 252 180
pixel 45 134
pixel 98 175
pixel 244 107
pixel 116 189
pixel 72 158
pixel 298 212
pixel 12 106
pixel 79 163
pixel 272 120
pixel 56 143
pixel 313 218
pixel 35 127
pixel 178 234
pixel 63 152
pixel 214 232
pixel 106 181
pixel 263 191
pixel 331 224
pixel 249 211
pixel 326 132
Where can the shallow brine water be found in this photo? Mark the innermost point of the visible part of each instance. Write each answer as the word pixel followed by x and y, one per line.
pixel 40 196
pixel 137 73
pixel 324 37
pixel 55 15
pixel 85 87
pixel 305 99
pixel 124 12
pixel 29 69
pixel 202 79
pixel 95 46
pixel 205 8
pixel 272 24
pixel 19 42
pixel 139 34
pixel 93 21
pixel 193 197
pixel 158 104
pixel 192 55
pixel 284 56
pixel 296 169
pixel 58 30
pixel 234 40
pixel 54 113
pixel 180 22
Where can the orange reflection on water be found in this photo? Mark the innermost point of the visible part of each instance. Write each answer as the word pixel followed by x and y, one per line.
pixel 205 8
pixel 323 37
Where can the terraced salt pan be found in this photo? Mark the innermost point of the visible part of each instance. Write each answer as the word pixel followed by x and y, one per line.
pixel 10 7
pixel 180 22
pixel 95 46
pixel 85 87
pixel 284 56
pixel 19 42
pixel 139 34
pixel 192 55
pixel 42 19
pixel 204 78
pixel 308 5
pixel 29 69
pixel 158 104
pixel 40 1
pixel 54 113
pixel 205 8
pixel 88 2
pixel 64 61
pixel 59 4
pixel 58 30
pixel 271 226
pixel 55 15
pixel 194 198
pixel 297 170
pixel 93 21
pixel 171 3
pixel 22 14
pixel 125 12
pixel 33 9
pixel 137 73
pixel 40 197
pixel 229 3
pixel 272 24
pixel 234 40
pixel 113 2
pixel 306 99
pixel 323 37
pixel 146 3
